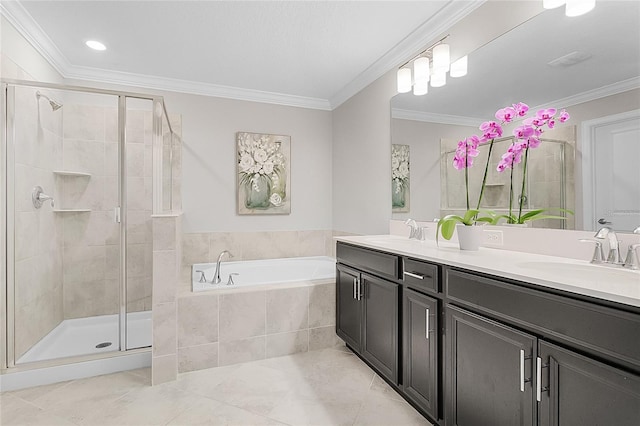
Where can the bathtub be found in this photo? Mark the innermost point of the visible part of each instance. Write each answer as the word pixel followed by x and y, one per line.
pixel 267 272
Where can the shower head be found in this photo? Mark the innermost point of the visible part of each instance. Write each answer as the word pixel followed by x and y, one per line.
pixel 55 105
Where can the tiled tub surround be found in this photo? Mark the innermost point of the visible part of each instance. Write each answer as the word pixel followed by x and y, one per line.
pixel 234 326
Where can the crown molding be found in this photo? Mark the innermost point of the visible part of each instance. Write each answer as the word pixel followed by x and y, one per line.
pixel 24 23
pixel 194 87
pixel 426 33
pixel 592 95
pixel 428 117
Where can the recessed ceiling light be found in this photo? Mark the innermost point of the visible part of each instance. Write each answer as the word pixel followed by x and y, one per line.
pixel 96 45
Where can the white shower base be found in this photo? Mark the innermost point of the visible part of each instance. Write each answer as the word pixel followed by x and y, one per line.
pixel 81 335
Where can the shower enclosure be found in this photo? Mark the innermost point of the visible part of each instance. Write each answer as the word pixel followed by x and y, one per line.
pixel 83 170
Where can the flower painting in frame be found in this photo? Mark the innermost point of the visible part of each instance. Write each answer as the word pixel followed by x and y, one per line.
pixel 264 173
pixel 400 178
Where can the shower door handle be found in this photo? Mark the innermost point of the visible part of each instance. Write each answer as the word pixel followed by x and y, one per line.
pixel 116 215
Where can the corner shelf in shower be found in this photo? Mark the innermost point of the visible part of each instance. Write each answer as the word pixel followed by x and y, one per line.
pixel 71 210
pixel 70 173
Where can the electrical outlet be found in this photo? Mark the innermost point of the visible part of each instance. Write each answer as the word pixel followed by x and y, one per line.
pixel 493 238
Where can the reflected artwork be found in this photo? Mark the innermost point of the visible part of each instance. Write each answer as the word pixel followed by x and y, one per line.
pixel 400 177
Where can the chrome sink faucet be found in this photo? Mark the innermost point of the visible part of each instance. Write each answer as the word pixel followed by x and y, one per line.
pixel 416 232
pixel 632 261
pixel 216 275
pixel 614 245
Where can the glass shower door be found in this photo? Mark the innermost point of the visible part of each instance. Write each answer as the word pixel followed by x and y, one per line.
pixel 137 215
pixel 64 243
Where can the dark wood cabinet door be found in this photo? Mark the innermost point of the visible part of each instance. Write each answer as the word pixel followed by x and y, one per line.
pixel 380 325
pixel 580 391
pixel 489 372
pixel 420 350
pixel 348 307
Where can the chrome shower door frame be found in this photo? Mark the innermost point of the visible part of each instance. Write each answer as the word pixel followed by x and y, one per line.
pixel 7 207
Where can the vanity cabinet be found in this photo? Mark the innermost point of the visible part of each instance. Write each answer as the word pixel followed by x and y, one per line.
pixel 468 348
pixel 579 390
pixel 348 307
pixel 367 308
pixel 527 357
pixel 489 382
pixel 420 335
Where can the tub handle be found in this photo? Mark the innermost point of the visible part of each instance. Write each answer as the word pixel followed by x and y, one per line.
pixel 203 279
pixel 230 282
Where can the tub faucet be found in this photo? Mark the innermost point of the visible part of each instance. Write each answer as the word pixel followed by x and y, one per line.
pixel 216 276
pixel 614 245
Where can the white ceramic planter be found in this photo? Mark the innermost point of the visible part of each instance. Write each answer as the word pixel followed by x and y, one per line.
pixel 469 237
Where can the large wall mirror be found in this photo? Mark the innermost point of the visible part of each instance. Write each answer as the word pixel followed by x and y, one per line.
pixel 589 65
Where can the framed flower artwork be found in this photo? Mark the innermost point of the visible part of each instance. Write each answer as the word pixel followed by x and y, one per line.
pixel 264 173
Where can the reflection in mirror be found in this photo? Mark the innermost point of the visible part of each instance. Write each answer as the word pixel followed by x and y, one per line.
pixel 589 65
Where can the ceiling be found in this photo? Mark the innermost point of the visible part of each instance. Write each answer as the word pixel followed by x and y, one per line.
pixel 306 53
pixel 514 67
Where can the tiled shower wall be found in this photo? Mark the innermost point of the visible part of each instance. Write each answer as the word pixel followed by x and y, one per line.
pixel 38 232
pixel 91 250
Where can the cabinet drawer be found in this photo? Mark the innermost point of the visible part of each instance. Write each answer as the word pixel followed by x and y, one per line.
pixel 597 329
pixel 420 275
pixel 376 262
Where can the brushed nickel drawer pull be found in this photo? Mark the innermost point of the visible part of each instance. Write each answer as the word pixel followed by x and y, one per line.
pixel 411 274
pixel 426 324
pixel 355 280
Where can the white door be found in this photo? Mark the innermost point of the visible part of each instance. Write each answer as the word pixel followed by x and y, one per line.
pixel 615 158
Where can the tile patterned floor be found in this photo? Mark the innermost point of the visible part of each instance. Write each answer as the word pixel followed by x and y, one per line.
pixel 326 387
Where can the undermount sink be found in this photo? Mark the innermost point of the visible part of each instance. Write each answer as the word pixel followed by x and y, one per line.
pixel 586 271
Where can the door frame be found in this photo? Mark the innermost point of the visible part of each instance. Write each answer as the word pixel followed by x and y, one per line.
pixel 587 147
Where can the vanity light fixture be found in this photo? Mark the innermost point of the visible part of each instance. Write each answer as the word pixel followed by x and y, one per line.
pixel 438 56
pixel 95 45
pixel 459 67
pixel 404 80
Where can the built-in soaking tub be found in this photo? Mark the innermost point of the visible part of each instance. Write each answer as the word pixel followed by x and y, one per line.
pixel 270 272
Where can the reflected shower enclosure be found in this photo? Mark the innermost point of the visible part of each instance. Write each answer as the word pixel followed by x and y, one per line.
pixel 549 182
pixel 85 170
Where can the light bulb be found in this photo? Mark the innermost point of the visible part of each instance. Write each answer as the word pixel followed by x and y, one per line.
pixel 421 87
pixel 439 79
pixel 421 70
pixel 459 67
pixel 441 58
pixel 404 80
pixel 579 7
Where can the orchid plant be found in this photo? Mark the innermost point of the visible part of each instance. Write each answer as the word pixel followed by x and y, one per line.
pixel 466 151
pixel 527 137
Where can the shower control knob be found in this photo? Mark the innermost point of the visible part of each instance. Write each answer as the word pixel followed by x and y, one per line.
pixel 603 221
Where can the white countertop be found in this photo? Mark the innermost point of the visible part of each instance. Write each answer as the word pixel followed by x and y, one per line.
pixel 603 282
